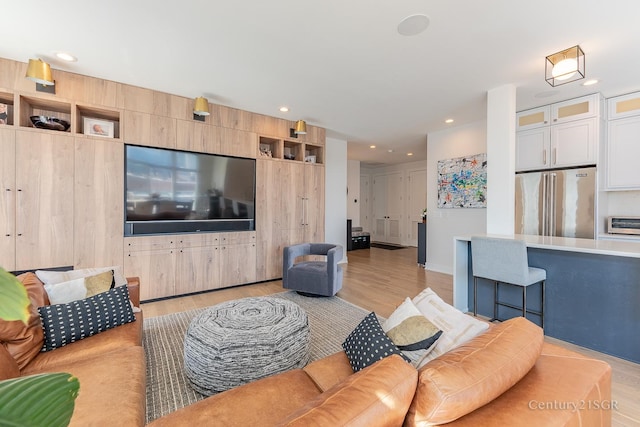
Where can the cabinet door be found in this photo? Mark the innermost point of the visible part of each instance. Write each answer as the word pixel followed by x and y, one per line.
pixel 8 199
pixel 269 191
pixel 147 129
pixel 238 143
pixel 194 136
pixel 237 264
pixel 532 149
pixel 574 143
pixel 44 203
pixel 99 205
pixel 624 106
pixel 156 269
pixel 575 109
pixel 292 197
pixel 534 118
pixel 197 269
pixel 314 203
pixel 623 152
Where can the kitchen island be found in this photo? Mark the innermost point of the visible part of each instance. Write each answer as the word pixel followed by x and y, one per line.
pixel 592 295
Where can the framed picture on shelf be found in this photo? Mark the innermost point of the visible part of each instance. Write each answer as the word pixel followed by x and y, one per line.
pixel 97 127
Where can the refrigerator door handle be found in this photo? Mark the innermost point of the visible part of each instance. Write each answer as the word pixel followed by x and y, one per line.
pixel 544 204
pixel 552 210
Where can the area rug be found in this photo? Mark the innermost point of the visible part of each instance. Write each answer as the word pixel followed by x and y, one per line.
pixel 330 321
pixel 385 246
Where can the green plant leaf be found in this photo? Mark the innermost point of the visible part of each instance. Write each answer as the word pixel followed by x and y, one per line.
pixel 38 400
pixel 14 301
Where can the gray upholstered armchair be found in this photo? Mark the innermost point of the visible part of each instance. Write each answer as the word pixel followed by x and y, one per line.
pixel 315 278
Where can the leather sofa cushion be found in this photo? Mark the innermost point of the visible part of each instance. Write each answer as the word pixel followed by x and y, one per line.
pixel 559 378
pixel 129 334
pixel 8 366
pixel 259 403
pixel 112 388
pixel 472 375
pixel 25 341
pixel 330 370
pixel 379 394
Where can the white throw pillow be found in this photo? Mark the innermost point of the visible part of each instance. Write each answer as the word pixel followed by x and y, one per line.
pixel 457 327
pixel 65 292
pixel 54 277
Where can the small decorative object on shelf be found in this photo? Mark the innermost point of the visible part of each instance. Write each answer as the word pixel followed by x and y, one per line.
pixel 51 123
pixel 310 159
pixel 96 127
pixel 424 215
pixel 4 110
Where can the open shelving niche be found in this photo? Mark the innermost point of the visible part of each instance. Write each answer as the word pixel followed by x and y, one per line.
pixel 285 149
pixel 28 105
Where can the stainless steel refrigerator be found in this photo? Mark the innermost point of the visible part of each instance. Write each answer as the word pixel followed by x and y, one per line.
pixel 556 203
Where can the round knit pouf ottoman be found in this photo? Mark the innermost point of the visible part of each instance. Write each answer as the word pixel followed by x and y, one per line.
pixel 240 341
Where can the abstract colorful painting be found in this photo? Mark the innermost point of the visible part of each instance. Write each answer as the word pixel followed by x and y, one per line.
pixel 462 182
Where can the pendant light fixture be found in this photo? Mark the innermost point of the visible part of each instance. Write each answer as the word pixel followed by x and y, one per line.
pixel 565 66
pixel 40 72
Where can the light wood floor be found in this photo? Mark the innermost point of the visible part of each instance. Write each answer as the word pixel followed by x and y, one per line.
pixel 379 280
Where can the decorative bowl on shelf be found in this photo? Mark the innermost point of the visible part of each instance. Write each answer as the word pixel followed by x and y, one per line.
pixel 290 156
pixel 51 123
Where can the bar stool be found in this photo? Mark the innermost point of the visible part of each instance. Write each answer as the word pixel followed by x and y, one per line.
pixel 505 261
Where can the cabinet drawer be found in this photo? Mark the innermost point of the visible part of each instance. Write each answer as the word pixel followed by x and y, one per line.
pixel 237 238
pixel 198 240
pixel 148 243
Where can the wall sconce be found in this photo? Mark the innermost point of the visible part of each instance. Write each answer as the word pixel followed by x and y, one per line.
pixel 200 109
pixel 299 129
pixel 565 66
pixel 40 72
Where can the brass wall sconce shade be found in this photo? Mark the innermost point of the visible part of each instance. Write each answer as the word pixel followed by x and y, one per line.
pixel 565 66
pixel 40 72
pixel 299 129
pixel 200 109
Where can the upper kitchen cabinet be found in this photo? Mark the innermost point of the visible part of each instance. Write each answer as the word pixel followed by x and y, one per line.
pixel 623 142
pixel 559 135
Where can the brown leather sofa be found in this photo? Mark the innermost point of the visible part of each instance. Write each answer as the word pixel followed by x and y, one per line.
pixel 507 376
pixel 110 365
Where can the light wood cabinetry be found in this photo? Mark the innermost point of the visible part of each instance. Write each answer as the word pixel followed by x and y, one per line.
pixel 195 136
pixel 569 138
pixel 8 199
pixel 149 129
pixel 44 199
pixel 98 201
pixel 194 262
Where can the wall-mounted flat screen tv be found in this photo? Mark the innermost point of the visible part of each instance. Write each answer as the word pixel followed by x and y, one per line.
pixel 171 191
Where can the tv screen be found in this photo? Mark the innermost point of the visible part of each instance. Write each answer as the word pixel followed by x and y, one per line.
pixel 171 185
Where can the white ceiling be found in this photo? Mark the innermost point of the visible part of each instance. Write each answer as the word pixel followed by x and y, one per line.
pixel 338 64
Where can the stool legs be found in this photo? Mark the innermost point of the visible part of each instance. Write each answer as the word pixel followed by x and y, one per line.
pixel 475 296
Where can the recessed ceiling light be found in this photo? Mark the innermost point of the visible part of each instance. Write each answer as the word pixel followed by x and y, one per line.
pixel 390 151
pixel 590 82
pixel 449 121
pixel 66 56
pixel 372 146
pixel 409 154
pixel 413 25
pixel 284 109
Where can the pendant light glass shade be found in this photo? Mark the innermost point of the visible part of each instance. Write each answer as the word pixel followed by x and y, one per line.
pixel 301 127
pixel 201 107
pixel 40 72
pixel 565 66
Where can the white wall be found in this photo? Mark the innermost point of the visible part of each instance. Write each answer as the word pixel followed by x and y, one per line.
pixel 353 197
pixel 444 224
pixel 335 184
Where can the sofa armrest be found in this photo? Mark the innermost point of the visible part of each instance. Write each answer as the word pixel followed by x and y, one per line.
pixel 133 283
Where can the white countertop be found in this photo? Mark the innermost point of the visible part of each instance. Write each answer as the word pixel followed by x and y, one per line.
pixel 602 247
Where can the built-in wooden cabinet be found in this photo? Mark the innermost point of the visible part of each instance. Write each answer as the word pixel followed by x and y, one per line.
pixel 44 199
pixel 62 201
pixel 564 134
pixel 195 262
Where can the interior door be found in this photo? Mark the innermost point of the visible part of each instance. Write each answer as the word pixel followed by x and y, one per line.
pixel 379 199
pixel 365 202
pixel 395 205
pixel 416 202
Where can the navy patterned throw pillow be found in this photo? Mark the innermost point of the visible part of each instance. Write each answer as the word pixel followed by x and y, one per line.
pixel 368 343
pixel 67 323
